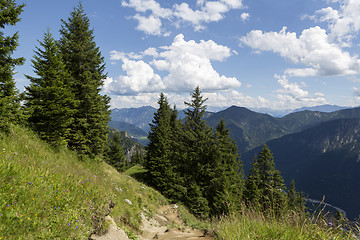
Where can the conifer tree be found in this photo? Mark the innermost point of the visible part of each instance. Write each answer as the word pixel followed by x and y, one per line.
pixel 9 95
pixel 199 153
pixel 264 185
pixel 296 200
pixel 227 179
pixel 116 156
pixel 48 98
pixel 159 160
pixel 86 66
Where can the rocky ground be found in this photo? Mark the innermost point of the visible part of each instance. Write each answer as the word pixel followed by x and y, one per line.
pixel 166 225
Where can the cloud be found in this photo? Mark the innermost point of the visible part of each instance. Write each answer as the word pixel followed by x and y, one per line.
pixel 245 16
pixel 356 92
pixel 184 65
pixel 312 48
pixel 150 25
pixel 150 14
pixel 140 77
pixel 343 24
pixel 291 95
pixel 189 65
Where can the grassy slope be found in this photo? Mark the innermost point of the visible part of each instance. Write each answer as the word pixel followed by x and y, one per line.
pixel 46 194
pixel 52 195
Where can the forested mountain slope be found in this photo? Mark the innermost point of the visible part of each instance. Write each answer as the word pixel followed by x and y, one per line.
pixel 323 160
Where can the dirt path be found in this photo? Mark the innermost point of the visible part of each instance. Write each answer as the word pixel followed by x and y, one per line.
pixel 166 225
pixel 159 227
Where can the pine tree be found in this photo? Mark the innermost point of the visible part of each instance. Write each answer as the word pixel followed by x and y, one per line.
pixel 296 200
pixel 159 160
pixel 86 66
pixel 116 156
pixel 198 153
pixel 227 179
pixel 9 95
pixel 48 98
pixel 264 186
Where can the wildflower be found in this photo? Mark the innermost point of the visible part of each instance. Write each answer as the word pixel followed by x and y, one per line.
pixel 69 224
pixel 76 227
pixel 8 205
pixel 29 183
pixel 16 154
pixel 330 224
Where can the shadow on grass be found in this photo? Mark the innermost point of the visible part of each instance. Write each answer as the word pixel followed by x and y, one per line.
pixel 138 172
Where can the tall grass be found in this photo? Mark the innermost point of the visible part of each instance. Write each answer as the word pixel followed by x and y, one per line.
pixel 292 226
pixel 51 194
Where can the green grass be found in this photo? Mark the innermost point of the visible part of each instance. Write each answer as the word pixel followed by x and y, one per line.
pixel 252 225
pixel 48 194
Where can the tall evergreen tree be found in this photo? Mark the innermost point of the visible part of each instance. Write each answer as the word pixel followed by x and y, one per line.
pixel 199 153
pixel 227 180
pixel 159 160
pixel 116 156
pixel 9 95
pixel 264 185
pixel 48 98
pixel 86 66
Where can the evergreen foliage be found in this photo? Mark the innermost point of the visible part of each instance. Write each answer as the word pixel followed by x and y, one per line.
pixel 116 156
pixel 86 66
pixel 9 95
pixel 265 188
pixel 188 162
pixel 159 159
pixel 296 200
pixel 227 181
pixel 49 101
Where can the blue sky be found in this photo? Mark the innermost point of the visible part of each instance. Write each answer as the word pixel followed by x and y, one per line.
pixel 275 54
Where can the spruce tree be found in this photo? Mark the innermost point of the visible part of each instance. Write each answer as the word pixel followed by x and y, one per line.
pixel 159 161
pixel 116 156
pixel 264 186
pixel 9 95
pixel 296 200
pixel 49 100
pixel 86 66
pixel 227 180
pixel 198 153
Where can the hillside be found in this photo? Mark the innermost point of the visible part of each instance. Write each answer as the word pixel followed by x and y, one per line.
pixel 251 129
pixel 48 194
pixel 248 128
pixel 140 117
pixel 131 129
pixel 323 161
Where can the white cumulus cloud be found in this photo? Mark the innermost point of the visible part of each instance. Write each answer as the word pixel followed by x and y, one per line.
pixel 184 65
pixel 344 23
pixel 291 95
pixel 312 48
pixel 189 65
pixel 140 77
pixel 150 14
